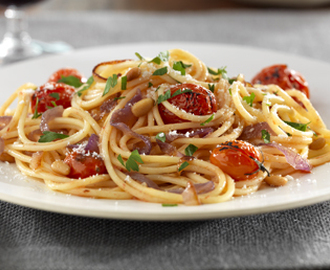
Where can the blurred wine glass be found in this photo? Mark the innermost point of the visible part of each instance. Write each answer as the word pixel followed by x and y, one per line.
pixel 17 43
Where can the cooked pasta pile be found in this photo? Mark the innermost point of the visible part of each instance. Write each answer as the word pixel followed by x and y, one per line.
pixel 119 124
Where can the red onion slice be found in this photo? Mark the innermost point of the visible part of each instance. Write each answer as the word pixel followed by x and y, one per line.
pixel 200 132
pixel 143 179
pixel 254 131
pixel 168 149
pixel 34 135
pixel 48 116
pixel 123 119
pixel 293 158
pixel 190 196
pixel 200 188
pixel 93 144
pixel 4 121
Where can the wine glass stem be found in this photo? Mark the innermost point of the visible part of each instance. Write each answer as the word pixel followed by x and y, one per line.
pixel 16 26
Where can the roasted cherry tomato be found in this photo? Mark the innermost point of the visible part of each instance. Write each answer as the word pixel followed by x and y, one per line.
pixel 239 159
pixel 51 94
pixel 282 76
pixel 65 72
pixel 83 165
pixel 200 101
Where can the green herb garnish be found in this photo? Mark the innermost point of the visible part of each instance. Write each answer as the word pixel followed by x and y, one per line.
pixel 111 83
pixel 160 71
pixel 169 204
pixel 180 66
pixel 117 98
pixel 36 114
pixel 265 136
pixel 183 165
pixel 49 136
pixel 86 86
pixel 161 57
pixel 211 87
pixel 298 126
pixel 161 136
pixel 249 99
pixel 71 80
pixel 168 95
pixel 131 163
pixel 208 120
pixel 55 95
pixel 220 71
pixel 123 82
pixel 139 56
pixel 150 84
pixel 190 149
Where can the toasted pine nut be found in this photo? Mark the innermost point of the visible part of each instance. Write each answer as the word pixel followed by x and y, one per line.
pixel 317 144
pixel 60 167
pixel 142 107
pixel 133 73
pixel 276 180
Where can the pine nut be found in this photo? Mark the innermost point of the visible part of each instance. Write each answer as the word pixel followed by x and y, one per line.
pixel 133 73
pixel 60 167
pixel 142 107
pixel 276 180
pixel 317 144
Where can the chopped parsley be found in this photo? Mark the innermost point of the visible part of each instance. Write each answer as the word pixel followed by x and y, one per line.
pixel 71 80
pixel 208 120
pixel 161 136
pixel 131 163
pixel 160 71
pixel 150 84
pixel 169 204
pixel 220 71
pixel 111 83
pixel 49 136
pixel 123 82
pixel 36 114
pixel 139 56
pixel 183 165
pixel 117 98
pixel 211 87
pixel 180 66
pixel 161 57
pixel 86 85
pixel 298 126
pixel 265 136
pixel 249 99
pixel 168 95
pixel 230 91
pixel 55 95
pixel 190 149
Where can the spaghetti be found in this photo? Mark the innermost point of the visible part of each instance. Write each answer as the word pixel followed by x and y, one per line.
pixel 161 130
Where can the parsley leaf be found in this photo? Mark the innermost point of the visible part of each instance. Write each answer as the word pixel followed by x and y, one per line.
pixel 190 149
pixel 71 80
pixel 208 120
pixel 265 136
pixel 139 56
pixel 49 136
pixel 36 114
pixel 211 87
pixel 150 84
pixel 87 85
pixel 123 82
pixel 168 95
pixel 183 165
pixel 111 83
pixel 180 66
pixel 221 71
pixel 131 163
pixel 160 71
pixel 169 204
pixel 298 126
pixel 54 103
pixel 230 91
pixel 55 95
pixel 249 99
pixel 117 98
pixel 179 91
pixel 161 136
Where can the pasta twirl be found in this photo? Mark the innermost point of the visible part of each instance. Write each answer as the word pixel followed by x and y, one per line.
pixel 161 130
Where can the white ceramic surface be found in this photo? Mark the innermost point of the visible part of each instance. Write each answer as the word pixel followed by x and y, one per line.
pixel 304 190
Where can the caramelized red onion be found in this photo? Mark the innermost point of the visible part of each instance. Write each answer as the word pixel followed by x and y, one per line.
pixel 200 188
pixel 143 179
pixel 199 132
pixel 93 144
pixel 34 135
pixel 190 196
pixel 123 119
pixel 48 116
pixel 168 149
pixel 254 131
pixel 293 158
pixel 4 121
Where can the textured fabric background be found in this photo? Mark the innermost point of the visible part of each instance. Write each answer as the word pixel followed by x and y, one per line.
pixel 295 239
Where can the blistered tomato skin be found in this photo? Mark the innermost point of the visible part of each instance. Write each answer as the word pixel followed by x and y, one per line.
pixel 282 76
pixel 83 165
pixel 237 159
pixel 65 72
pixel 200 101
pixel 50 94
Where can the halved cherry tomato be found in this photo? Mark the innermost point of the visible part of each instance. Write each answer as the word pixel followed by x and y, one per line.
pixel 65 72
pixel 50 94
pixel 282 76
pixel 83 165
pixel 200 101
pixel 239 159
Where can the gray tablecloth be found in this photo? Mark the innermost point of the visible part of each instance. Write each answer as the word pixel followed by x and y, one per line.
pixel 293 239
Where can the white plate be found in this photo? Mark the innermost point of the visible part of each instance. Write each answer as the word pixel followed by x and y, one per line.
pixel 304 190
